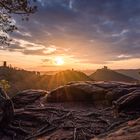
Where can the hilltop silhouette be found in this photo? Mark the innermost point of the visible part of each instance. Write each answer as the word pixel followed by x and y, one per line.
pixel 130 72
pixel 66 76
pixel 106 74
pixel 21 79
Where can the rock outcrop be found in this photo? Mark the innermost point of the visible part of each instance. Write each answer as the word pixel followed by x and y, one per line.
pixel 129 102
pixel 106 74
pixel 104 92
pixel 34 117
pixel 6 109
pixel 28 97
pixel 78 91
pixel 127 131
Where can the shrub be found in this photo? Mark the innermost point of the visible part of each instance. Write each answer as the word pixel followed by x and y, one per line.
pixel 5 84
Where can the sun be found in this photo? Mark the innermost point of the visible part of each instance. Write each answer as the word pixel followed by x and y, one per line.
pixel 59 61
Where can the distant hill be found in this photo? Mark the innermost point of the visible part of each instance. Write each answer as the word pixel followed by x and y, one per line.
pixel 106 74
pixel 20 79
pixel 64 77
pixel 130 72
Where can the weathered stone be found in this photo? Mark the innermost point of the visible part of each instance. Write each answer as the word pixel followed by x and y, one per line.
pixel 127 131
pixel 26 97
pixel 129 102
pixel 116 94
pixel 77 92
pixel 6 109
pixel 34 118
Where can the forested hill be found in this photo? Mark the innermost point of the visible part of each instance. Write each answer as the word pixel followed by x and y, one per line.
pixel 135 73
pixel 20 79
pixel 106 74
pixel 64 77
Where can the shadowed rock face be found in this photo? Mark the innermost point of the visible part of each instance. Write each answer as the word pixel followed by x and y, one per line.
pixel 127 131
pixel 128 102
pixel 77 92
pixel 91 91
pixel 116 93
pixel 6 109
pixel 26 97
pixel 34 118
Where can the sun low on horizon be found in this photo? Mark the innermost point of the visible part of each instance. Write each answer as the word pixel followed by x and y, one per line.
pixel 59 61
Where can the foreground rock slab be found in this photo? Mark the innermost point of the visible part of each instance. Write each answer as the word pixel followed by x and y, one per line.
pixel 35 118
pixel 103 92
pixel 127 131
pixel 82 91
pixel 28 97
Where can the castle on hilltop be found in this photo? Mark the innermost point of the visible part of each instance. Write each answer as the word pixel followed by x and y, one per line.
pixel 4 63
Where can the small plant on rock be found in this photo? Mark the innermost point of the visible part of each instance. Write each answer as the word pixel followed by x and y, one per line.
pixel 5 84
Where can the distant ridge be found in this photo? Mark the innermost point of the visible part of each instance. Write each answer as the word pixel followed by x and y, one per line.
pixel 130 72
pixel 106 74
pixel 66 76
pixel 21 79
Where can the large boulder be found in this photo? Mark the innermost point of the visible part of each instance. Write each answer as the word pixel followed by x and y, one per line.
pixel 28 97
pixel 6 109
pixel 91 91
pixel 78 91
pixel 129 102
pixel 116 93
pixel 127 131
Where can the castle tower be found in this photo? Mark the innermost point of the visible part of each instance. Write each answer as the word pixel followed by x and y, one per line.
pixel 4 63
pixel 105 67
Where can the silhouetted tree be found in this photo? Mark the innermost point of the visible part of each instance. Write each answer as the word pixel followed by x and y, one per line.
pixel 7 9
pixel 7 25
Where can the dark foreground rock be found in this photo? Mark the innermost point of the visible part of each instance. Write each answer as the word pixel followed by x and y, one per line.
pixel 35 118
pixel 102 92
pixel 82 91
pixel 128 102
pixel 127 131
pixel 28 97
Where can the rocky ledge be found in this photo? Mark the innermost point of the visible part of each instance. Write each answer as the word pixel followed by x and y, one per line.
pixel 127 131
pixel 76 111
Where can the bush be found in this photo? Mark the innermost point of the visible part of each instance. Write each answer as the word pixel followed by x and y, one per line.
pixel 5 85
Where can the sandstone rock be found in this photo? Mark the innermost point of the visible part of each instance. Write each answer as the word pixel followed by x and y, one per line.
pixel 127 131
pixel 91 91
pixel 116 93
pixel 129 102
pixel 73 120
pixel 108 85
pixel 27 97
pixel 82 91
pixel 6 109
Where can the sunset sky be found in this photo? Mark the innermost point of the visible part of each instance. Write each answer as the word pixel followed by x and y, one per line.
pixel 79 34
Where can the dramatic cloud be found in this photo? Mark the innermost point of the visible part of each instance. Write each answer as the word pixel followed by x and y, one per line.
pixel 92 31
